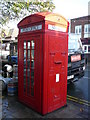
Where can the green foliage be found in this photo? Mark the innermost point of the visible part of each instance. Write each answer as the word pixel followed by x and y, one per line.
pixel 17 9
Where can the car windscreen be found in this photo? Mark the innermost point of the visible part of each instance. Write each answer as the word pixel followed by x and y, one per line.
pixel 73 45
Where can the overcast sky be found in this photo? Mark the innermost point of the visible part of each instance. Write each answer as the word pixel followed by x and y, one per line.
pixel 71 8
pixel 68 8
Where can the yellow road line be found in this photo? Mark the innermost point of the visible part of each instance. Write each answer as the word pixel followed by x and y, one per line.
pixel 78 99
pixel 72 97
pixel 85 101
pixel 78 102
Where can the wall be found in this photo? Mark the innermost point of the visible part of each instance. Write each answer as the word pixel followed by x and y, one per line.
pixel 80 21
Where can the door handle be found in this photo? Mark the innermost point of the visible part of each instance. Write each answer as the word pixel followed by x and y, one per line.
pixel 58 62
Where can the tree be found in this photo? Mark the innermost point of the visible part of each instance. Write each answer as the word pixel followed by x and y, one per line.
pixel 17 9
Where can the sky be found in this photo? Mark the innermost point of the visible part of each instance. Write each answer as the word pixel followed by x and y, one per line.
pixel 68 8
pixel 71 8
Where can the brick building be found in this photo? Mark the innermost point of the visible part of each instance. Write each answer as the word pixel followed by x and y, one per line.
pixel 81 26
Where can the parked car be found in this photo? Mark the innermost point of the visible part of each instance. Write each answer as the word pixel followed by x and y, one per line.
pixel 76 58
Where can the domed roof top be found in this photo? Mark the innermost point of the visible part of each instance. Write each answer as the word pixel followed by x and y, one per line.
pixel 43 16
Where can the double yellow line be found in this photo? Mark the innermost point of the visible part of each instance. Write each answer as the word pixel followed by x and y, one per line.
pixel 72 98
pixel 80 101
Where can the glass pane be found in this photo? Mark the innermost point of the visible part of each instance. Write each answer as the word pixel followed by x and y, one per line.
pixel 24 63
pixel 25 73
pixel 28 73
pixel 24 44
pixel 32 73
pixel 88 48
pixel 89 30
pixel 32 91
pixel 32 44
pixel 24 53
pixel 28 86
pixel 32 63
pixel 32 82
pixel 32 86
pixel 85 48
pixel 29 45
pixel 28 53
pixel 28 63
pixel 24 80
pixel 32 54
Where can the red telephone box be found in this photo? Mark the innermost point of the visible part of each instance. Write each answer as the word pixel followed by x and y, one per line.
pixel 42 61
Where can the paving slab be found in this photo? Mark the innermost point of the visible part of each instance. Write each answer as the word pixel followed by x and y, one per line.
pixel 12 108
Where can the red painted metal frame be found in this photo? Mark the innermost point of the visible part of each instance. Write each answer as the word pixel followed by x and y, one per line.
pixel 51 58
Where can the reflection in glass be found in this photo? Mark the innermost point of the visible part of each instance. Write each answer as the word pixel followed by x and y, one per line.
pixel 28 80
pixel 32 73
pixel 32 54
pixel 29 67
pixel 32 86
pixel 24 63
pixel 25 81
pixel 24 44
pixel 28 53
pixel 24 71
pixel 28 63
pixel 28 85
pixel 28 73
pixel 32 44
pixel 32 63
pixel 28 45
pixel 24 53
pixel 32 82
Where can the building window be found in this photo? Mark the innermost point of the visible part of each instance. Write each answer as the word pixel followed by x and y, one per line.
pixel 86 48
pixel 87 28
pixel 78 29
pixel 89 49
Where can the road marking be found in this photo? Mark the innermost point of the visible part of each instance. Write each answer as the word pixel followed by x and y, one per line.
pixel 80 101
pixel 78 98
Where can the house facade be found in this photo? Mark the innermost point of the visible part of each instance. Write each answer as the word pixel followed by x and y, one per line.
pixel 81 26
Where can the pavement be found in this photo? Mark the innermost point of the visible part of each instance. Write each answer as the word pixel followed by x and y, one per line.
pixel 78 103
pixel 12 108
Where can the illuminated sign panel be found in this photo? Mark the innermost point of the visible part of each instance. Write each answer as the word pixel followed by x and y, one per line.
pixel 32 28
pixel 56 28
